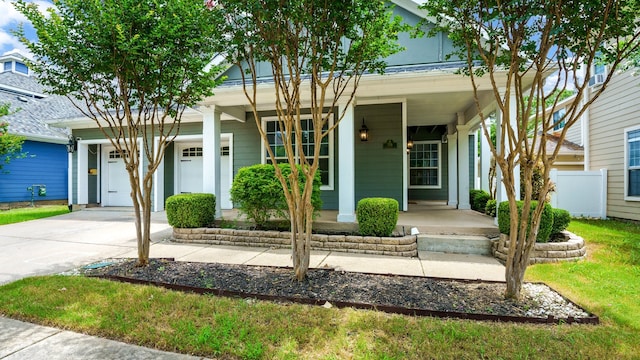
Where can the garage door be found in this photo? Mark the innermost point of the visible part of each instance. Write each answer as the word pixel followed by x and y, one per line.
pixel 116 180
pixel 190 172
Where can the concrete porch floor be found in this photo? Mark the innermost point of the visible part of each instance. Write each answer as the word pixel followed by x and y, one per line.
pixel 430 217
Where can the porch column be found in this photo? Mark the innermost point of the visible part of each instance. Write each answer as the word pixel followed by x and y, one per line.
pixel 485 161
pixel 81 175
pixel 69 179
pixel 463 167
pixel 452 150
pixel 211 154
pixel 346 166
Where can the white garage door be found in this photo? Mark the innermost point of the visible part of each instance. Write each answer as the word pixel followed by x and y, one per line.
pixel 116 180
pixel 190 172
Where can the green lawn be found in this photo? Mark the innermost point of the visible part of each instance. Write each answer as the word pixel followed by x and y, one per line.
pixel 233 328
pixel 31 213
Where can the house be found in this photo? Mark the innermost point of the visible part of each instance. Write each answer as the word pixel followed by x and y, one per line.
pixel 421 100
pixel 610 135
pixel 46 159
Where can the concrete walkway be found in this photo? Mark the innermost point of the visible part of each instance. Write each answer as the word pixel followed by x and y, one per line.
pixel 68 241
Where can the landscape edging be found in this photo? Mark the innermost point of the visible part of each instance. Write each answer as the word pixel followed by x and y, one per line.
pixel 573 249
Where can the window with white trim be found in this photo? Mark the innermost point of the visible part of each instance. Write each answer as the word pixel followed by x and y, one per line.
pixel 22 68
pixel 275 136
pixel 425 165
pixel 632 164
pixel 556 119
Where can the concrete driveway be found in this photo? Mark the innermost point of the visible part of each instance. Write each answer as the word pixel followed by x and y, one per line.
pixel 63 242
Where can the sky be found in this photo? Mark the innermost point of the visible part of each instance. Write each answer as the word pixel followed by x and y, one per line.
pixel 10 19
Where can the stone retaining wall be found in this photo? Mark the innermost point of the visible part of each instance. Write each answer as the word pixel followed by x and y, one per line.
pixel 396 246
pixel 572 249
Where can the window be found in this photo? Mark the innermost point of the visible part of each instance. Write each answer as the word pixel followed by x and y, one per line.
pixel 424 165
pixel 556 119
pixel 275 137
pixel 22 68
pixel 632 164
pixel 192 152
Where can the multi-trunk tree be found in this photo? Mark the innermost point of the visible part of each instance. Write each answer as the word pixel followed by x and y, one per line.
pixel 133 67
pixel 316 52
pixel 517 44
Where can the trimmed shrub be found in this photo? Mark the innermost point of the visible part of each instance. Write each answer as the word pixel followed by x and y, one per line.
pixel 479 199
pixel 546 222
pixel 191 210
pixel 490 208
pixel 561 219
pixel 377 216
pixel 257 193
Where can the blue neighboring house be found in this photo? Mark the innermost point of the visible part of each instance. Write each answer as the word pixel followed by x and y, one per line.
pixel 46 162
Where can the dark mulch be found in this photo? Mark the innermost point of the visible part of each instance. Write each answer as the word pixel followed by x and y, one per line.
pixel 405 292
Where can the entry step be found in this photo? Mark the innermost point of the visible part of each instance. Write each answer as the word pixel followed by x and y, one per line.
pixel 456 244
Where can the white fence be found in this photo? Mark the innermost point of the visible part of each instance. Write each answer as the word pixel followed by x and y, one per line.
pixel 582 193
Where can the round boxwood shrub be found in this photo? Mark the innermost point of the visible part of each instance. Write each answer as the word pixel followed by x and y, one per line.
pixel 377 216
pixel 479 199
pixel 546 222
pixel 490 208
pixel 561 219
pixel 257 193
pixel 191 210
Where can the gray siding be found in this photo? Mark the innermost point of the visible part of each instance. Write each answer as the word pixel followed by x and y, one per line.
pixel 616 109
pixel 574 133
pixel 378 170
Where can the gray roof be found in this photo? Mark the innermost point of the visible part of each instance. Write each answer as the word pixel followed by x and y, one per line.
pixel 32 108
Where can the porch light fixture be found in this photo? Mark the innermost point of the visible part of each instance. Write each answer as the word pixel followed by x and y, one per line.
pixel 72 145
pixel 364 132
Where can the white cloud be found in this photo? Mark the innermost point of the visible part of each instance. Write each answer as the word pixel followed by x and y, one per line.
pixel 10 20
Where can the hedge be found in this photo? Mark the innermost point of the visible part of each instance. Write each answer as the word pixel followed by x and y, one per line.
pixel 561 219
pixel 490 208
pixel 191 210
pixel 377 216
pixel 546 222
pixel 479 199
pixel 257 192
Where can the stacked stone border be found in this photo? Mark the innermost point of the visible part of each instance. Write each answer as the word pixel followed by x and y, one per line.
pixel 406 246
pixel 572 249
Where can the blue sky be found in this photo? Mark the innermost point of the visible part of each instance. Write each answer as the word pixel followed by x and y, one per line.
pixel 10 18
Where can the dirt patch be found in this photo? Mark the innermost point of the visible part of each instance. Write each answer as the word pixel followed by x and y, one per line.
pixel 406 294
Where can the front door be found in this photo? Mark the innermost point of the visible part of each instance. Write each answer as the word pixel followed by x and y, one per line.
pixel 190 168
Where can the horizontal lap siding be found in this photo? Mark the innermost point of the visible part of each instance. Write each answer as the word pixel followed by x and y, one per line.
pixel 379 170
pixel 616 109
pixel 45 164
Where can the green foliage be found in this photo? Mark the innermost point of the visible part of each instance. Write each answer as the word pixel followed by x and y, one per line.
pixel 377 216
pixel 10 145
pixel 546 222
pixel 537 181
pixel 257 192
pixel 479 199
pixel 490 208
pixel 561 219
pixel 191 210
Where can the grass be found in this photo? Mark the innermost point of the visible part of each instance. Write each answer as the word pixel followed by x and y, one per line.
pixel 234 328
pixel 31 213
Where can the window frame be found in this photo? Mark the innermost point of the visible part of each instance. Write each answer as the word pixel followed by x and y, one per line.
pixel 18 67
pixel 627 168
pixel 439 149
pixel 562 113
pixel 330 136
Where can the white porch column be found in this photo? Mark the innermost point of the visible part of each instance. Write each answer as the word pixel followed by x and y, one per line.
pixel 211 154
pixel 452 150
pixel 463 167
pixel 346 166
pixel 485 161
pixel 69 179
pixel 81 175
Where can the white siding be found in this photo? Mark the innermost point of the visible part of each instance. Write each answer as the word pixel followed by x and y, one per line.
pixel 616 109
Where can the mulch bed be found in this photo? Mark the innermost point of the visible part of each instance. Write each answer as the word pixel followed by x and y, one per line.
pixel 482 300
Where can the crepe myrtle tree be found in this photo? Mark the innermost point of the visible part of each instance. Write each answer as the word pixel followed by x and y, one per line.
pixel 10 145
pixel 517 44
pixel 317 51
pixel 133 67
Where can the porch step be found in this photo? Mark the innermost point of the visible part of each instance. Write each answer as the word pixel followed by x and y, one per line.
pixel 457 244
